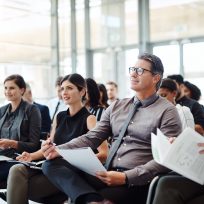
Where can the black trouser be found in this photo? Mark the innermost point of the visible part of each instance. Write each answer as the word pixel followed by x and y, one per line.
pixel 4 169
pixel 76 183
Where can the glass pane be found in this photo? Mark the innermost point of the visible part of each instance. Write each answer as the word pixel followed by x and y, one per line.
pixel 169 54
pixel 113 23
pixel 175 19
pixel 104 70
pixel 35 75
pixel 25 44
pixel 81 67
pixel 103 66
pixel 193 57
pixel 64 36
pixel 130 57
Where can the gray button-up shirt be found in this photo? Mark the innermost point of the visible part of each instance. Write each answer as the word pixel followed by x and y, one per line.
pixel 135 152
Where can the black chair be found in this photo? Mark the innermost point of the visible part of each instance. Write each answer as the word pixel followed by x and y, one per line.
pixel 152 189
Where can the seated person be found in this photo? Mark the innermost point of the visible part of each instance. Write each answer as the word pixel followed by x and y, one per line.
pixel 20 124
pixel 32 184
pixel 176 189
pixel 130 164
pixel 45 115
pixel 92 101
pixel 168 89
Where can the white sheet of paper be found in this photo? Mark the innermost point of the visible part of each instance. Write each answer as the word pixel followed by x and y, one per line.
pixel 4 158
pixel 182 156
pixel 82 158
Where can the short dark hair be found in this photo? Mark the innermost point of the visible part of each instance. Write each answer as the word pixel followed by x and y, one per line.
pixel 18 80
pixel 156 65
pixel 75 79
pixel 195 91
pixel 112 83
pixel 176 77
pixel 168 84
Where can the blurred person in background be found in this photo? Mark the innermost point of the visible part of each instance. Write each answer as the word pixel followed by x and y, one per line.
pixel 57 104
pixel 194 106
pixel 92 101
pixel 192 91
pixel 45 115
pixel 103 95
pixel 168 90
pixel 112 91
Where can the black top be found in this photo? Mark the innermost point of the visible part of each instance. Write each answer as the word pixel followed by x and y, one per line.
pixel 69 127
pixel 195 108
pixel 46 120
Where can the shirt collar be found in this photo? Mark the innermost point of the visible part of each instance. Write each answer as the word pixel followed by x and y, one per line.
pixel 147 101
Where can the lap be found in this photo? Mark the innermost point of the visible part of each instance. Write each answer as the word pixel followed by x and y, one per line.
pixel 179 188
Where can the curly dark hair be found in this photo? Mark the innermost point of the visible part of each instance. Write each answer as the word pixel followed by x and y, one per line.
pixel 195 91
pixel 104 99
pixel 93 92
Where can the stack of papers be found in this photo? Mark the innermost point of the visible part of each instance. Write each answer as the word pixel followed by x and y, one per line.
pixel 182 156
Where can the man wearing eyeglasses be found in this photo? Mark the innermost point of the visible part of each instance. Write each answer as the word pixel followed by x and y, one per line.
pixel 130 165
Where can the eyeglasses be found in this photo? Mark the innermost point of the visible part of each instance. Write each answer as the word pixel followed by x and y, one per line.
pixel 138 70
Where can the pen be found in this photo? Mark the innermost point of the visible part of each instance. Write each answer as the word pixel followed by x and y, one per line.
pixel 17 154
pixel 52 143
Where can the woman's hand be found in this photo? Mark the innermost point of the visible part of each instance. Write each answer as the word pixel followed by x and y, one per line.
pixel 7 144
pixel 49 150
pixel 25 156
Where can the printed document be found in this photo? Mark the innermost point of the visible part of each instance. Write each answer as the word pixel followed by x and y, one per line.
pixel 182 156
pixel 82 158
pixel 4 158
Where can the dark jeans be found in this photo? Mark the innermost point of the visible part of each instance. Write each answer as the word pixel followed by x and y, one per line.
pixel 75 183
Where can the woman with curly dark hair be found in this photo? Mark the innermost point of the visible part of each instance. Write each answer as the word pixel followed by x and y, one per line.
pixel 103 95
pixel 92 101
pixel 192 91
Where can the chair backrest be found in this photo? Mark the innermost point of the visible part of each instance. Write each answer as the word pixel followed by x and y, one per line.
pixel 152 188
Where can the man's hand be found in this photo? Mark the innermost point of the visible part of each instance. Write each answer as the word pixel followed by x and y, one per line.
pixel 111 178
pixel 7 144
pixel 49 150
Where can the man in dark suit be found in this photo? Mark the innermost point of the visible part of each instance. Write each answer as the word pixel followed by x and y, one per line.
pixel 45 115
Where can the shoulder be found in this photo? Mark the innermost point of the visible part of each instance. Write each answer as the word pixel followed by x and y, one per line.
pixel 41 106
pixel 121 103
pixel 163 103
pixel 3 109
pixel 29 107
pixel 91 121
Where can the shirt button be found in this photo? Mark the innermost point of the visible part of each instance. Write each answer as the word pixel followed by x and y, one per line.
pixel 131 122
pixel 119 159
pixel 124 144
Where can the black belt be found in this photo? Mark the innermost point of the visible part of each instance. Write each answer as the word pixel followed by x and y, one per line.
pixel 119 169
